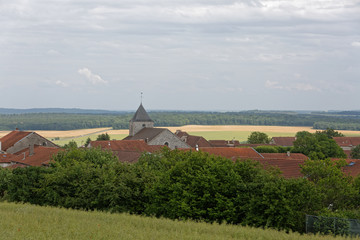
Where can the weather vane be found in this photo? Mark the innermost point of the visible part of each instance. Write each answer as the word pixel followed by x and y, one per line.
pixel 141 97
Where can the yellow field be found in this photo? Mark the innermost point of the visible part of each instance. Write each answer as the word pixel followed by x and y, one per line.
pixel 225 132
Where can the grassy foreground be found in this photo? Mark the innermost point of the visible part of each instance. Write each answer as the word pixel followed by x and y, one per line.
pixel 24 221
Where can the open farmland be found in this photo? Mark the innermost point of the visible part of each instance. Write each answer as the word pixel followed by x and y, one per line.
pixel 215 132
pixel 24 221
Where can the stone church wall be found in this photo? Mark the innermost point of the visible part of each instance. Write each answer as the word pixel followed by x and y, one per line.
pixel 169 139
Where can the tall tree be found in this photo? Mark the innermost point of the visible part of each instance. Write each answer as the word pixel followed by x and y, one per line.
pixel 258 138
pixel 317 146
pixel 330 133
pixel 103 137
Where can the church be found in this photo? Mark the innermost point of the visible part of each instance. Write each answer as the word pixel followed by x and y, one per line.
pixel 141 127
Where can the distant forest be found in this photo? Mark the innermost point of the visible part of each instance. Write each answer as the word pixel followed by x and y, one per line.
pixel 79 119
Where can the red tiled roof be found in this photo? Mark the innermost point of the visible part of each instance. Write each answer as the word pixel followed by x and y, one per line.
pixel 347 141
pixel 6 157
pixel 233 153
pixel 353 167
pixel 348 153
pixel 180 133
pixel 126 145
pixel 284 156
pixel 283 141
pixel 11 138
pixel 289 169
pixel 127 150
pixel 224 143
pixel 191 140
pixel 41 156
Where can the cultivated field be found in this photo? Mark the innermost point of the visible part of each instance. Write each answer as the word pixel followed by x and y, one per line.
pixel 216 132
pixel 24 221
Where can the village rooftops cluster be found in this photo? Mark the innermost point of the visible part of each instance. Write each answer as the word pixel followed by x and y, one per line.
pixel 22 148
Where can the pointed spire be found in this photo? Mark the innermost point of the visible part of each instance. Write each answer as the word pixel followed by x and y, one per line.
pixel 141 115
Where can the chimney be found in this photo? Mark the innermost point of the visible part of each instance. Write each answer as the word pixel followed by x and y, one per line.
pixel 31 150
pixel 16 129
pixel 0 146
pixel 288 153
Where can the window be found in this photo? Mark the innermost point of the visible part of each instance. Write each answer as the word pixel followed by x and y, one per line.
pixel 166 144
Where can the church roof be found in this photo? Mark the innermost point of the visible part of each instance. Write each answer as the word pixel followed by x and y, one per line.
pixel 146 133
pixel 141 115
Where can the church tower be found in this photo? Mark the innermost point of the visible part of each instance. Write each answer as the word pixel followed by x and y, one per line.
pixel 139 121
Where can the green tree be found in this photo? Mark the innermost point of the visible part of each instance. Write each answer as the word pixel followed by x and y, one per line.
pixel 70 145
pixel 103 137
pixel 330 133
pixel 317 146
pixel 88 140
pixel 355 152
pixel 258 138
pixel 5 177
pixel 331 182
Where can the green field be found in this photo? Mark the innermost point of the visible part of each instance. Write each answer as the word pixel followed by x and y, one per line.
pixel 209 135
pixel 237 135
pixel 81 140
pixel 24 221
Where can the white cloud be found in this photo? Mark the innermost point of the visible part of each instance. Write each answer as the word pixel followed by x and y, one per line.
pixel 273 85
pixel 61 83
pixel 53 52
pixel 93 78
pixel 305 87
pixel 355 44
pixel 297 86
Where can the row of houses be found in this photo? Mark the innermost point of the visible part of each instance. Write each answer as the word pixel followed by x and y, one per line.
pixel 22 148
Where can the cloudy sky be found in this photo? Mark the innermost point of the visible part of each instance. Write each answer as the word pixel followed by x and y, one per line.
pixel 182 54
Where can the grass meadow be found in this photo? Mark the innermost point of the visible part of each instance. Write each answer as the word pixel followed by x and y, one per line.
pixel 24 221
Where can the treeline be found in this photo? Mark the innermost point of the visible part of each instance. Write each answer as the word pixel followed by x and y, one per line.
pixel 70 121
pixel 186 185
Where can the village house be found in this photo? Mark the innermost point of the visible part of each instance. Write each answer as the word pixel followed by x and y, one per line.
pixel 141 127
pixel 192 141
pixel 22 148
pixel 126 150
pixel 283 141
pixel 347 143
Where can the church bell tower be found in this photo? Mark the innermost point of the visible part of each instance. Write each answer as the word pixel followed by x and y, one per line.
pixel 139 121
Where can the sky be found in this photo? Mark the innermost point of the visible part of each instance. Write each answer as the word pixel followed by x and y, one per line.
pixel 207 55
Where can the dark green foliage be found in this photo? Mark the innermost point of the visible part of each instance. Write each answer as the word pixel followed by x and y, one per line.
pixel 335 187
pixel 88 140
pixel 69 121
pixel 25 185
pixel 272 149
pixel 258 138
pixel 5 176
pixel 330 133
pixel 355 152
pixel 317 146
pixel 103 137
pixel 71 145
